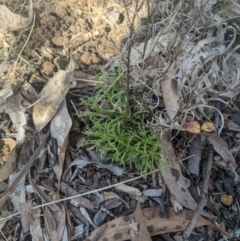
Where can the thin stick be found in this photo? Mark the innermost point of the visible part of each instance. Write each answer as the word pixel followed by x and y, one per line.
pixel 3 235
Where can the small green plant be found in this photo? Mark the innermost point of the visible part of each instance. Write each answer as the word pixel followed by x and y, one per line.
pixel 121 138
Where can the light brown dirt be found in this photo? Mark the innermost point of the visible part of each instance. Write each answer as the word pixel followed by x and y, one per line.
pixel 87 26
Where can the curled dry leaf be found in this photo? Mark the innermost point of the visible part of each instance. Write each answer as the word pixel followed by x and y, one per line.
pixel 192 127
pixel 26 215
pixel 221 147
pixel 12 21
pixel 51 96
pixel 8 154
pixel 153 220
pixel 208 127
pixel 171 96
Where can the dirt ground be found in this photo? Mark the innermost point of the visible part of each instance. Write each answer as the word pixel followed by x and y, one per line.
pixel 95 30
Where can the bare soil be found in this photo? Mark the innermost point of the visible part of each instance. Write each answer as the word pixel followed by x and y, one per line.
pixel 95 30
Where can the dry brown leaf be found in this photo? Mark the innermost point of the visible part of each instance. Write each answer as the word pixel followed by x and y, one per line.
pixel 26 215
pixel 55 222
pixel 208 127
pixel 153 220
pixel 171 96
pixel 9 155
pixel 141 232
pixel 173 177
pixel 221 147
pixel 67 190
pixel 12 21
pixel 192 127
pixel 51 96
pixel 60 127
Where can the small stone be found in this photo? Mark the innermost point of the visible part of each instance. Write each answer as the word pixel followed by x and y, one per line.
pixel 227 200
pixel 113 16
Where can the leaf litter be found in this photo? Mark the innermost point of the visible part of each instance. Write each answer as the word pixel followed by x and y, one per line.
pixel 181 73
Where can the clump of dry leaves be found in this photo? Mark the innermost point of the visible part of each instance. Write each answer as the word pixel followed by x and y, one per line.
pixel 182 63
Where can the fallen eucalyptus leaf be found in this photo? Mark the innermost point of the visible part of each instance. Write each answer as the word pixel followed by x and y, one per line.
pixel 51 96
pixel 12 21
pixel 61 125
pixel 153 220
pixel 221 147
pixel 59 129
pixel 9 155
pixel 171 96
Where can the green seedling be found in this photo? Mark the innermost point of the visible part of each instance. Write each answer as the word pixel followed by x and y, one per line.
pixel 120 138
